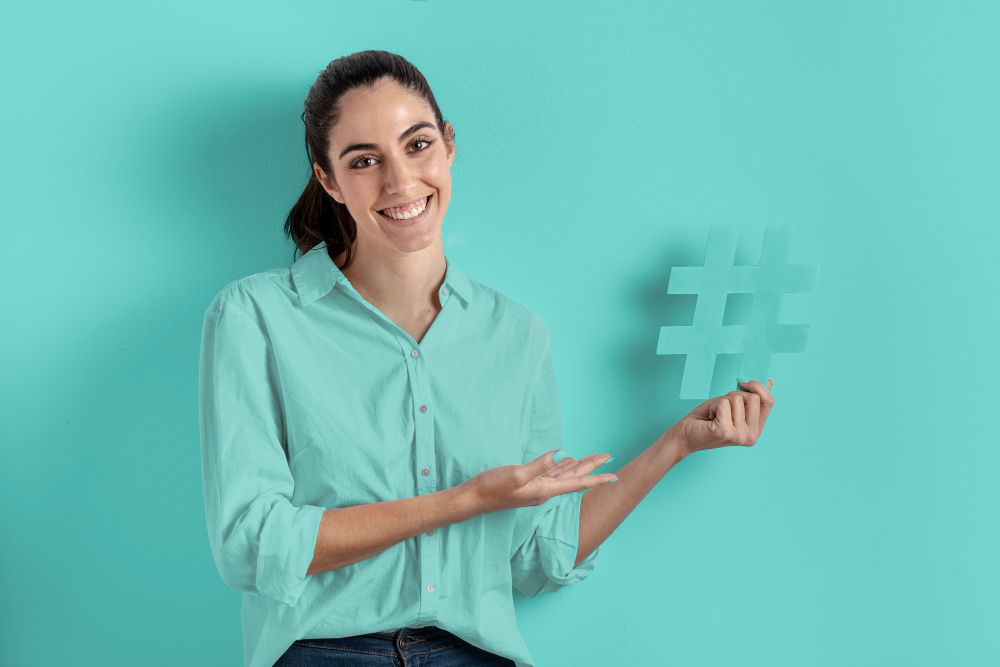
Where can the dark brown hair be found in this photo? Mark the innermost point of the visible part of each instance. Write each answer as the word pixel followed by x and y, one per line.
pixel 316 216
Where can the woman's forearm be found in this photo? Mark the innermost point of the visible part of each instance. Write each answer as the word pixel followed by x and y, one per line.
pixel 605 506
pixel 351 534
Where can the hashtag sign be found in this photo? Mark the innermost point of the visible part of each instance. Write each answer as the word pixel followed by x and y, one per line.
pixel 713 283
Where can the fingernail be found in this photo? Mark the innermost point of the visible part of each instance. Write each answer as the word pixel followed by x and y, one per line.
pixel 559 455
pixel 608 461
pixel 743 380
pixel 613 480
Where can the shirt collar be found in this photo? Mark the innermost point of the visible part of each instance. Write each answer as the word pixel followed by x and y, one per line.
pixel 315 274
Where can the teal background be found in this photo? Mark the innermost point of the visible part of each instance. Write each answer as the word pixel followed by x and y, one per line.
pixel 151 152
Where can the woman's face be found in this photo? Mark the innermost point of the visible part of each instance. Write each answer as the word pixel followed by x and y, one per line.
pixel 386 152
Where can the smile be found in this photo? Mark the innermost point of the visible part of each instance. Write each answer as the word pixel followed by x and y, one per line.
pixel 408 214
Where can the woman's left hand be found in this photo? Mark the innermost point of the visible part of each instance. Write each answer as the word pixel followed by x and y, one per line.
pixel 734 419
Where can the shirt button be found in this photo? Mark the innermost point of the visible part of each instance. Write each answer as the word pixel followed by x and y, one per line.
pixel 444 290
pixel 415 354
pixel 423 408
pixel 425 472
pixel 430 588
pixel 430 532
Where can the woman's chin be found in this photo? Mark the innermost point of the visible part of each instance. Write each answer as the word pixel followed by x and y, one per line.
pixel 415 238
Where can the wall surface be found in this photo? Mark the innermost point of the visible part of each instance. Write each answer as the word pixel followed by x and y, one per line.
pixel 151 152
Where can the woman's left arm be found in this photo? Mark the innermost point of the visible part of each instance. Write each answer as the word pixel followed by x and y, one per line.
pixel 734 419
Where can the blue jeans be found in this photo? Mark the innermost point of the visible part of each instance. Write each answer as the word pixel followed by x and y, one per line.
pixel 407 647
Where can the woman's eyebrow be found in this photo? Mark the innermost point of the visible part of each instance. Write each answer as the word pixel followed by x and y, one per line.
pixel 374 147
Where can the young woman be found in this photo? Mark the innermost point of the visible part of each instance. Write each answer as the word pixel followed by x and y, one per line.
pixel 378 430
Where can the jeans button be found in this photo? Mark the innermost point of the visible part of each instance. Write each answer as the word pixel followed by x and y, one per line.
pixel 403 642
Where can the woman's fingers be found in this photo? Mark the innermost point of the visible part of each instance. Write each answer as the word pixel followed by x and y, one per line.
pixel 723 419
pixel 736 418
pixel 583 466
pixel 739 418
pixel 559 467
pixel 574 483
pixel 753 416
pixel 588 464
pixel 766 399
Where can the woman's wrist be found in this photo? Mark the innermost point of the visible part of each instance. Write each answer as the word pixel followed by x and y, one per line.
pixel 672 445
pixel 460 504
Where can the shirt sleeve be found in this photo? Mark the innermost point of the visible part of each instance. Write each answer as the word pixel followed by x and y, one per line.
pixel 259 540
pixel 546 536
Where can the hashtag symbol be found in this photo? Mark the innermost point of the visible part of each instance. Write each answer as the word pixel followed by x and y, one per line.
pixel 713 283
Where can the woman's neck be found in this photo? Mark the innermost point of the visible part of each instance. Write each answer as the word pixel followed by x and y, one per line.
pixel 401 285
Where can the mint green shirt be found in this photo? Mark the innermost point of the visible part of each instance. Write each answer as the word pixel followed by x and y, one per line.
pixel 311 398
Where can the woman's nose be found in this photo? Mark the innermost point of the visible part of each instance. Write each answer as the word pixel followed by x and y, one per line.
pixel 399 175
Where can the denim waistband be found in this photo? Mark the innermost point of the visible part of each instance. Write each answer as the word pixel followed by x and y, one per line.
pixel 403 641
pixel 428 631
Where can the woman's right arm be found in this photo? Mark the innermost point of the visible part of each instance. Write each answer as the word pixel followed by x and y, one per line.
pixel 351 534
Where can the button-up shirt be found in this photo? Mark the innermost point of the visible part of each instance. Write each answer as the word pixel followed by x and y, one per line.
pixel 311 398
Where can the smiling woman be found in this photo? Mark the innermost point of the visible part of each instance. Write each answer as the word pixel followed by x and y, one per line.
pixel 377 428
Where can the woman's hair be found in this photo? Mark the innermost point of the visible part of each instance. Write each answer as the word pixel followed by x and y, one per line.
pixel 316 216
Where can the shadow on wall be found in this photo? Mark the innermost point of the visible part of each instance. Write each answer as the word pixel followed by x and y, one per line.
pixel 205 182
pixel 654 380
pixel 239 160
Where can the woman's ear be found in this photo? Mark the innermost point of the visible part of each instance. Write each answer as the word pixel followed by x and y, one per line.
pixel 449 131
pixel 327 183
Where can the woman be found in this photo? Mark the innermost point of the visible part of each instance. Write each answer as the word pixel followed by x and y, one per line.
pixel 378 431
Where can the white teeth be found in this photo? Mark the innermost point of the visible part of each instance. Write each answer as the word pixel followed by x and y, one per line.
pixel 411 212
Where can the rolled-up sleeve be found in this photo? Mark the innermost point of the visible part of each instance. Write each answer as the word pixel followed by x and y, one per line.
pixel 259 540
pixel 546 536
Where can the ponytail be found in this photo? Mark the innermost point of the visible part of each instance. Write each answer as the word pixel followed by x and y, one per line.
pixel 318 217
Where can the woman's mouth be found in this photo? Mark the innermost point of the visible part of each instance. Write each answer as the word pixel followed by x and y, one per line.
pixel 408 215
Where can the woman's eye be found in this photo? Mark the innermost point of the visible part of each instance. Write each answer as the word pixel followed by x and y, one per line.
pixel 423 140
pixel 357 164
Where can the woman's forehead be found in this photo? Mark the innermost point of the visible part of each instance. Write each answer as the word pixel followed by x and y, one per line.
pixel 371 114
pixel 374 100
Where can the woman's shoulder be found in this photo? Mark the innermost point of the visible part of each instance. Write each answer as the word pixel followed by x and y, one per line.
pixel 504 311
pixel 254 289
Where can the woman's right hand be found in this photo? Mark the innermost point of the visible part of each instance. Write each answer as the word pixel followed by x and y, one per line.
pixel 532 483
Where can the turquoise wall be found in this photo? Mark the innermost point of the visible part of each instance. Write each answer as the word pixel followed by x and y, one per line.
pixel 151 151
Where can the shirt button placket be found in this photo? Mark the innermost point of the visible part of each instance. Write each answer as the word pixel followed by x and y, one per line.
pixel 426 482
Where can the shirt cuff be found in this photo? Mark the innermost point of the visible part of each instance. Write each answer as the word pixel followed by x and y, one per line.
pixel 544 562
pixel 287 546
